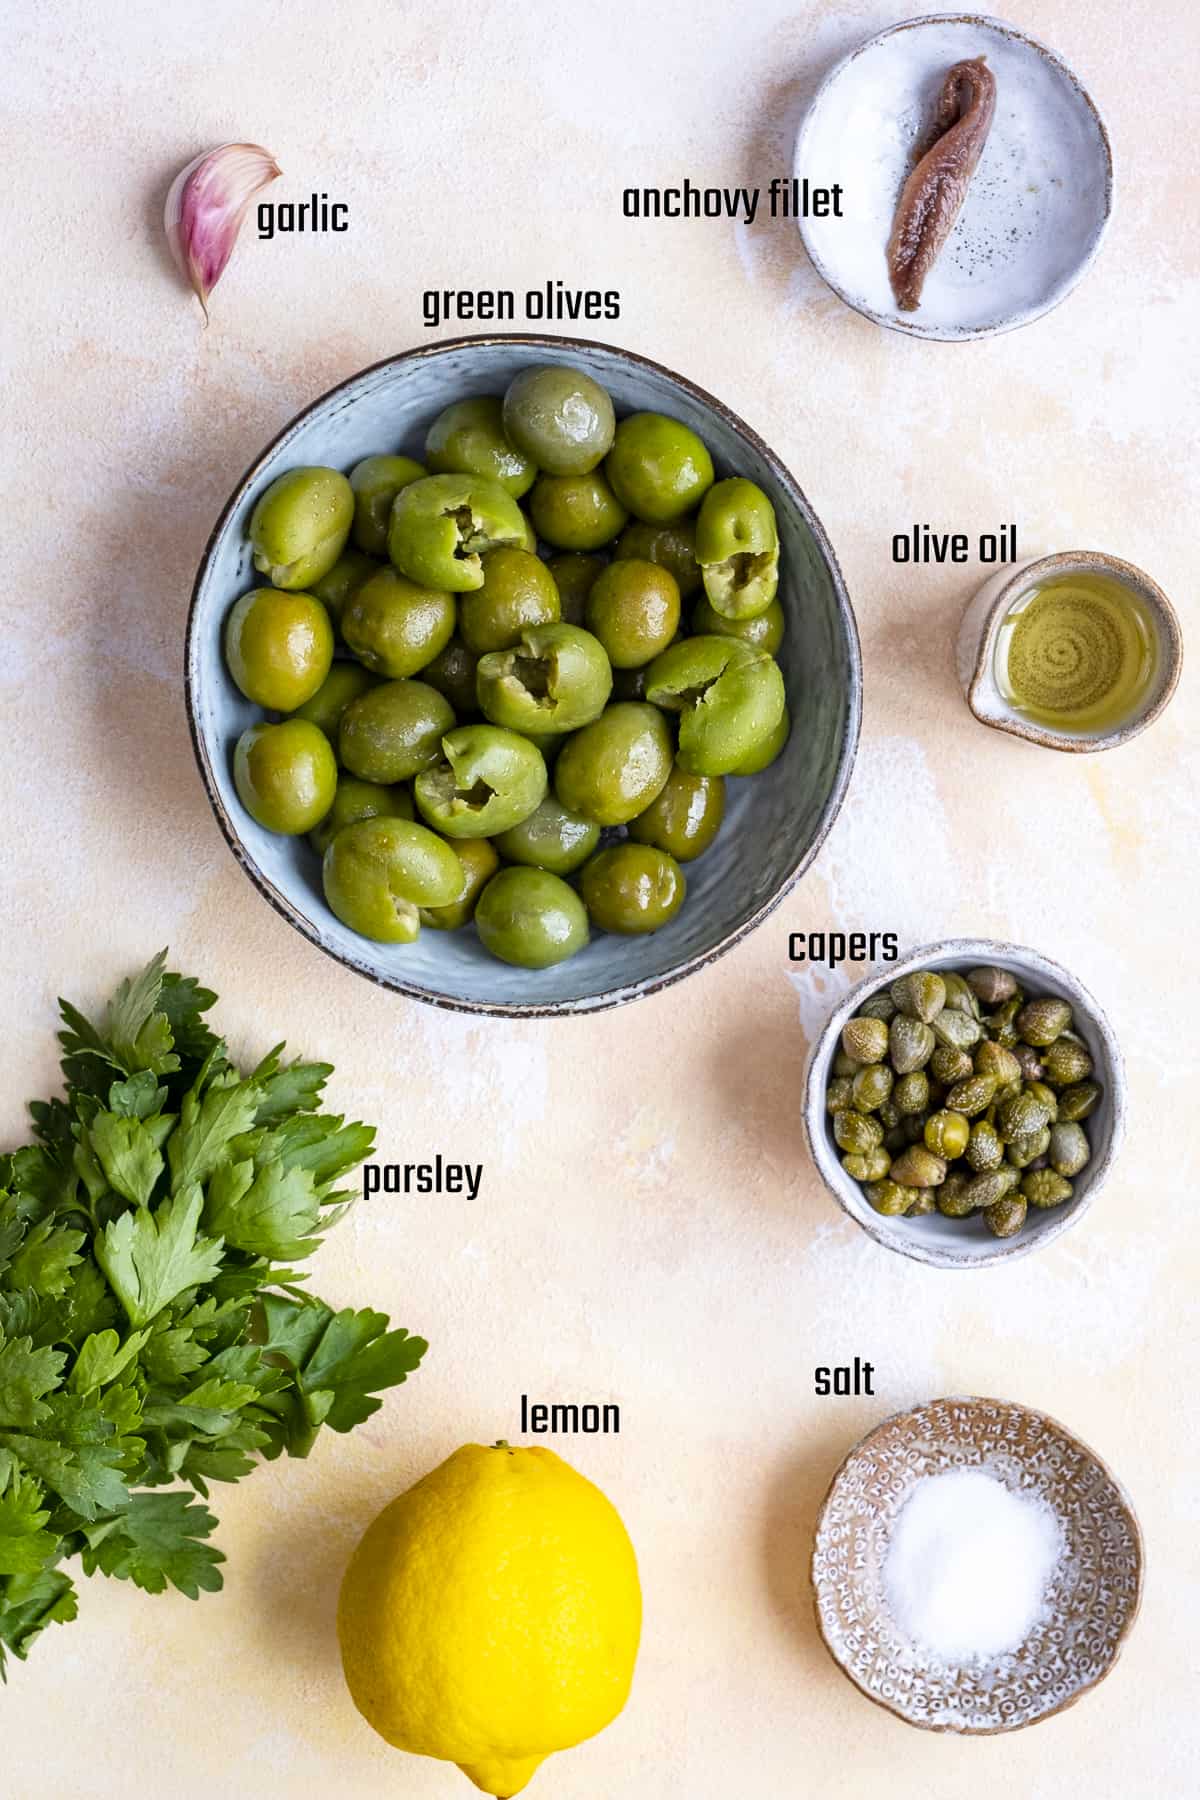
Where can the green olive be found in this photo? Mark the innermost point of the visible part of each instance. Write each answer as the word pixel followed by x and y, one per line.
pixel 279 647
pixel 355 800
pixel 762 632
pixel 479 862
pixel 556 679
pixel 737 547
pixel 452 673
pixel 468 438
pixel 299 526
pixel 345 578
pixel 395 627
pixel 486 781
pixel 442 527
pixel 632 889
pixel 612 769
pixel 531 918
pixel 769 750
pixel 658 468
pixel 672 546
pixel 576 512
pixel 550 838
pixel 574 576
pixel 560 418
pixel 378 873
pixel 633 609
pixel 344 683
pixel 285 775
pixel 730 699
pixel 376 481
pixel 393 731
pixel 517 591
pixel 684 817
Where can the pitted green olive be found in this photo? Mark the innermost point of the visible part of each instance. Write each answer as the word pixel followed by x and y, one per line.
pixel 517 591
pixel 550 838
pixel 560 418
pixel 285 775
pixel 633 609
pixel 737 547
pixel 612 769
pixel 378 873
pixel 442 527
pixel 279 647
pixel 299 526
pixel 684 817
pixel 556 679
pixel 632 889
pixel 486 781
pixel 393 731
pixel 730 699
pixel 658 467
pixel 576 512
pixel 531 918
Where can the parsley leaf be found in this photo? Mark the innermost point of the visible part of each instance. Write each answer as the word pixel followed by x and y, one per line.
pixel 152 1257
pixel 126 1151
pixel 158 1540
pixel 25 1548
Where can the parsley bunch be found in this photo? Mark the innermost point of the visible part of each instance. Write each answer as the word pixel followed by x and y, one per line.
pixel 152 1332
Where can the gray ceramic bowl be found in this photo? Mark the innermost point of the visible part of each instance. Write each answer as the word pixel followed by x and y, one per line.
pixel 775 823
pixel 967 1243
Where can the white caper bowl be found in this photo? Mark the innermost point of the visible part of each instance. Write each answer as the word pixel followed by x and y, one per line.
pixel 967 1243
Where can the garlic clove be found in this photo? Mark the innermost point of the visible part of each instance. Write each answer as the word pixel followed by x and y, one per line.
pixel 206 206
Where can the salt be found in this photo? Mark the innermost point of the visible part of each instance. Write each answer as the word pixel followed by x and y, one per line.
pixel 968 1565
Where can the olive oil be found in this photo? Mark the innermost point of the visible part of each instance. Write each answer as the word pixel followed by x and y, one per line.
pixel 1076 654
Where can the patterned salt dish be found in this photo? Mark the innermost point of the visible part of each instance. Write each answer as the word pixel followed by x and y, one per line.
pixel 944 1243
pixel 1038 203
pixel 979 643
pixel 774 824
pixel 1090 1601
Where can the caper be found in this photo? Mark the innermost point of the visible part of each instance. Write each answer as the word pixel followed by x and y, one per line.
pixel 911 1043
pixel 992 985
pixel 919 1167
pixel 1002 1024
pixel 1006 1217
pixel 1078 1102
pixel 856 1133
pixel 844 1065
pixel 959 996
pixel 920 995
pixel 871 1086
pixel 952 1199
pixel 1041 1021
pixel 994 1059
pixel 889 1115
pixel 889 1198
pixel 1069 1149
pixel 971 1096
pixel 950 1065
pixel 1046 1097
pixel 911 1092
pixel 1026 1113
pixel 894 1139
pixel 1065 1062
pixel 871 1165
pixel 913 1127
pixel 925 1202
pixel 839 1094
pixel 866 1040
pixel 1025 1150
pixel 985 1190
pixel 947 1134
pixel 879 1006
pixel 1029 1062
pixel 1042 1187
pixel 958 1029
pixel 984 1150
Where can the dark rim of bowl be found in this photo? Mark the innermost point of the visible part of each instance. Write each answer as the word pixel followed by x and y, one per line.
pixel 651 985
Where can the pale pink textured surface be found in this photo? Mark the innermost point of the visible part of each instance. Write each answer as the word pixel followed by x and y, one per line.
pixel 649 1229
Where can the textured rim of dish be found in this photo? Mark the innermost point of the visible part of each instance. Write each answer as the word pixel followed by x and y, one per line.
pixel 598 1002
pixel 1119 1488
pixel 845 1190
pixel 1067 562
pixel 971 333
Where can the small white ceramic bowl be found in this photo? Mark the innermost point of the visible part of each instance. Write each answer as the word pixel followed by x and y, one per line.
pixel 992 604
pixel 967 1243
pixel 1038 204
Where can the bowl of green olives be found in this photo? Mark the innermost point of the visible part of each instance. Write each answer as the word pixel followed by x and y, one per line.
pixel 521 675
pixel 966 1107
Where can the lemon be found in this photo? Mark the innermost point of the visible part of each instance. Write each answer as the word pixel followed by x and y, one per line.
pixel 491 1614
